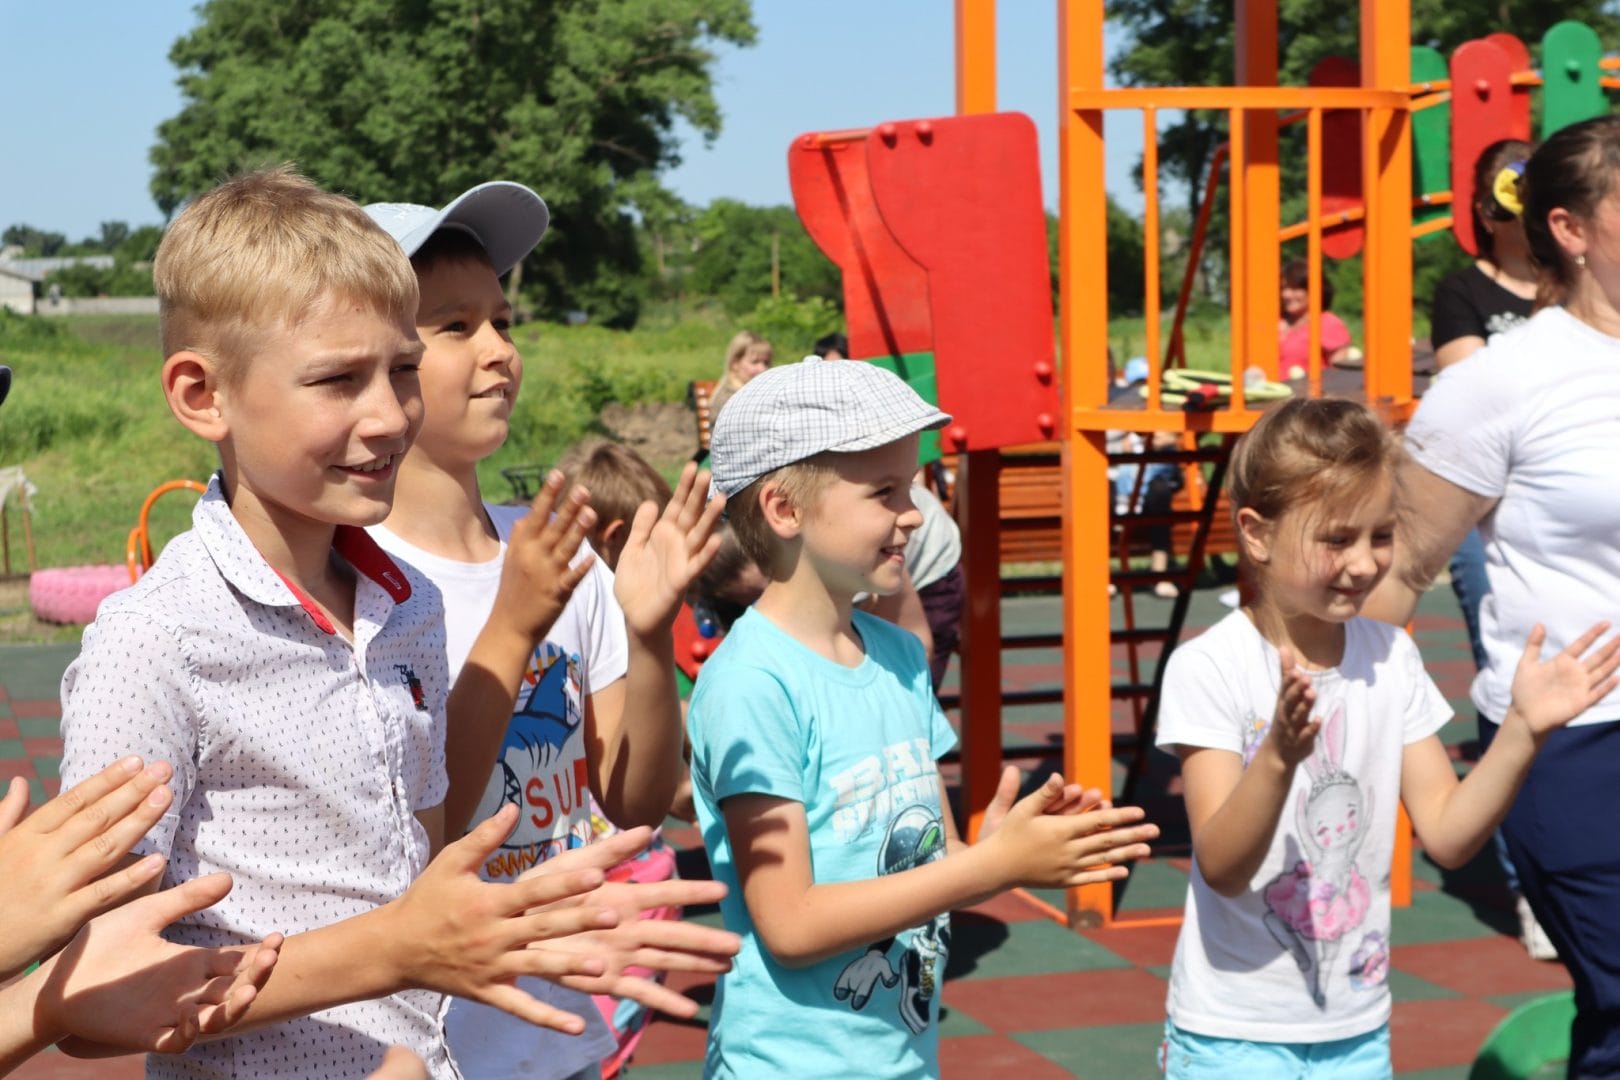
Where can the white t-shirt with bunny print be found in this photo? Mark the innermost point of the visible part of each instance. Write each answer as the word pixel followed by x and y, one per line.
pixel 1301 956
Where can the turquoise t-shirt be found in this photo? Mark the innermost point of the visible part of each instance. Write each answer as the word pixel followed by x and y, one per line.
pixel 857 746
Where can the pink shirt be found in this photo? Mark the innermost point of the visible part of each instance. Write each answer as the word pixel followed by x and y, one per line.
pixel 1296 343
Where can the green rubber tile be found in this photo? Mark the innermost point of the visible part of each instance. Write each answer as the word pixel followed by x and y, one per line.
pixel 1153 884
pixel 1161 970
pixel 1523 997
pixel 1038 947
pixel 1123 1052
pixel 1435 916
pixel 35 671
pixel 671 1070
pixel 1404 987
pixel 1435 1074
pixel 11 749
pixel 954 1022
pixel 39 727
pixel 48 768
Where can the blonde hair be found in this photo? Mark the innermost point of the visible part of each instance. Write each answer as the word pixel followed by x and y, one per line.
pixel 262 249
pixel 1328 452
pixel 742 343
pixel 618 478
pixel 801 484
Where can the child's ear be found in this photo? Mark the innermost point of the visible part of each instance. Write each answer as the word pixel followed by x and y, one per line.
pixel 780 514
pixel 609 539
pixel 1256 534
pixel 191 386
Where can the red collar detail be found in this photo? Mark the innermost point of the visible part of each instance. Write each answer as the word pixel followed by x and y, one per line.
pixel 362 552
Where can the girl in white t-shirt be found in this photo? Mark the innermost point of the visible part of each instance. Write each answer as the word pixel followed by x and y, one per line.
pixel 1300 726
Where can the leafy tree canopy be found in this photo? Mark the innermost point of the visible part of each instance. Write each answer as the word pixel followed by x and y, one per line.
pixel 418 100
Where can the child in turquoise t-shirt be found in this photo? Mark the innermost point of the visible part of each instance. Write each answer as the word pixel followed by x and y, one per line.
pixel 815 737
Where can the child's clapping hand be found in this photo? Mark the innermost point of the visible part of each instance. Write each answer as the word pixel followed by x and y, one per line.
pixel 50 862
pixel 1293 731
pixel 1046 840
pixel 665 552
pixel 1548 695
pixel 539 573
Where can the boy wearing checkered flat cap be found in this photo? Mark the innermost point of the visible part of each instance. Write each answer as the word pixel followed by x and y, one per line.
pixel 815 737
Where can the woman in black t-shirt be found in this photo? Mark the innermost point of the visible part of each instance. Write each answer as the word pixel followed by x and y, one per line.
pixel 1499 290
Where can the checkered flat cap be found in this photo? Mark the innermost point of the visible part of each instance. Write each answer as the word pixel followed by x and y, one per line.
pixel 796 411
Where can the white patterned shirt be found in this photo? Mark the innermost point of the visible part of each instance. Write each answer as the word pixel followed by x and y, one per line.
pixel 299 760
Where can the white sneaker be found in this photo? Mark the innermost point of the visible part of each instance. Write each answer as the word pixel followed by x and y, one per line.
pixel 1531 935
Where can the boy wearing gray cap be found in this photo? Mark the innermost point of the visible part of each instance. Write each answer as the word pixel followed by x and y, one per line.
pixel 815 734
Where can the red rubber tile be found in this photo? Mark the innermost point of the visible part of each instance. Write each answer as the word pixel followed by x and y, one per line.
pixel 973 1057
pixel 18 767
pixel 8 730
pixel 43 748
pixel 1007 907
pixel 1442 1034
pixel 27 710
pixel 1072 999
pixel 1144 946
pixel 1485 967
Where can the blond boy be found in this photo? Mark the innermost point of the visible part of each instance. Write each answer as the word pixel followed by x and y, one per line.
pixel 815 734
pixel 294 674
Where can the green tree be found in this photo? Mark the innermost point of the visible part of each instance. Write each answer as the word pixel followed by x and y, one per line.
pixel 418 100
pixel 732 257
pixel 34 242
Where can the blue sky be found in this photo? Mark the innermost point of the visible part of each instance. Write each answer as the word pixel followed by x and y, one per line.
pixel 76 155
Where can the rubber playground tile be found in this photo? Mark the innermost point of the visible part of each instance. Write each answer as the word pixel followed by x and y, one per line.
pixel 954 1023
pixel 1404 986
pixel 1488 966
pixel 34 672
pixel 673 1070
pixel 1004 907
pixel 1439 1034
pixel 1436 917
pixel 1154 883
pixel 1146 946
pixel 49 727
pixel 1034 948
pixel 1047 1002
pixel 1124 1052
pixel 980 1056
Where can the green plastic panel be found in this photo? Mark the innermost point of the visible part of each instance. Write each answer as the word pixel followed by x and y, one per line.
pixel 1431 137
pixel 1570 91
pixel 918 371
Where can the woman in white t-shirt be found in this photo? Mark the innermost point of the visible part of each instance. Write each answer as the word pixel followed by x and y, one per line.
pixel 1522 438
pixel 1300 726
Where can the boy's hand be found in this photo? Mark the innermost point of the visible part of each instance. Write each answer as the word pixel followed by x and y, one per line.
pixel 539 575
pixel 471 938
pixel 1072 800
pixel 1549 695
pixel 51 865
pixel 1044 849
pixel 664 554
pixel 655 944
pixel 119 987
pixel 1293 731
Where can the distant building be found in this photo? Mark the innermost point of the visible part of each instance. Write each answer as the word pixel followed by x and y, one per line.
pixel 38 269
pixel 16 291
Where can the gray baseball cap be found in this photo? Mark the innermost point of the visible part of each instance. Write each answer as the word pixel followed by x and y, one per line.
pixel 796 411
pixel 506 218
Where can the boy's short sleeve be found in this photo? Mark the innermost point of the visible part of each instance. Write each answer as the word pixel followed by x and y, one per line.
pixel 941 736
pixel 1197 707
pixel 130 692
pixel 747 739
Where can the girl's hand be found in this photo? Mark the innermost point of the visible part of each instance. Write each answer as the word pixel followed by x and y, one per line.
pixel 1549 695
pixel 1293 732
pixel 1072 800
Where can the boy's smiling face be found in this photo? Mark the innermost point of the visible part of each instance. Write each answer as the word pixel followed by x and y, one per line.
pixel 471 372
pixel 315 426
pixel 855 535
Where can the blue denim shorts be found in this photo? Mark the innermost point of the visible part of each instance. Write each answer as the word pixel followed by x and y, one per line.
pixel 1188 1056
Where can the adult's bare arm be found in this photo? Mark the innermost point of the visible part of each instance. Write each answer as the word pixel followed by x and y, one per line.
pixel 1435 516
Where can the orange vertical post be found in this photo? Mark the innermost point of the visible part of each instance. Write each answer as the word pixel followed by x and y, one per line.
pixel 1387 156
pixel 979 493
pixel 1083 323
pixel 1257 281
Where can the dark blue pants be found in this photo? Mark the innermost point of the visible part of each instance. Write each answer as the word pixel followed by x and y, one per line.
pixel 1469 582
pixel 1563 838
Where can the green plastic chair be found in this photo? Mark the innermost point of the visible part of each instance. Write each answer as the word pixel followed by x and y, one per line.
pixel 1530 1038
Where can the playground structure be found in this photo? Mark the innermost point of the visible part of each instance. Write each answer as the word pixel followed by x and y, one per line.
pixel 937 227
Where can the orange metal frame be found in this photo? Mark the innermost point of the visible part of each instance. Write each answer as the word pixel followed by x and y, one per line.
pixel 1255 110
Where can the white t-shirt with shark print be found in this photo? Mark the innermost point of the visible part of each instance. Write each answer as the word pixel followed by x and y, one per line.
pixel 1302 955
pixel 542 769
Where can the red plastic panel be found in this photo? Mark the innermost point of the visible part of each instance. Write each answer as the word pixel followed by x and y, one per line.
pixel 885 290
pixel 1518 54
pixel 962 195
pixel 1481 113
pixel 1341 159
